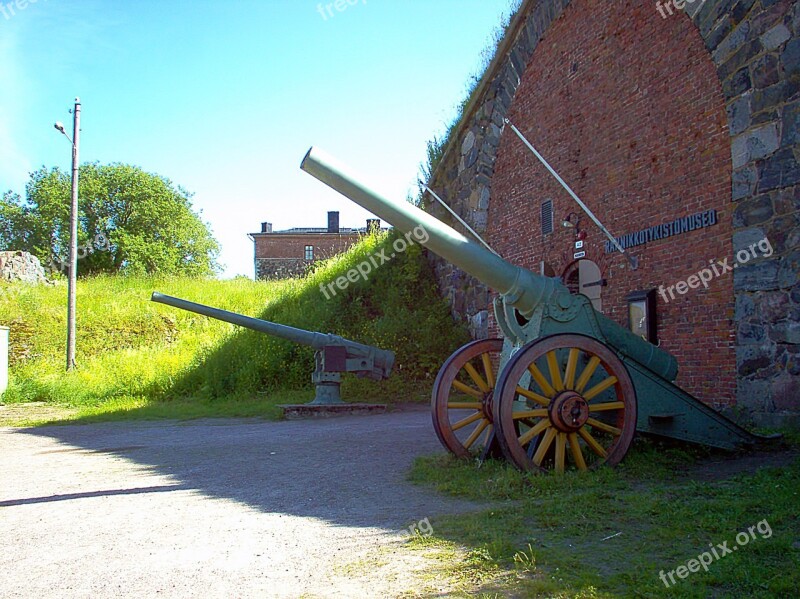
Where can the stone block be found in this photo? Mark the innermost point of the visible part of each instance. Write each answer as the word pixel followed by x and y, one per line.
pixel 753 394
pixel 790 58
pixel 761 276
pixel 739 113
pixel 753 212
pixel 775 37
pixel 785 332
pixel 791 125
pixel 786 393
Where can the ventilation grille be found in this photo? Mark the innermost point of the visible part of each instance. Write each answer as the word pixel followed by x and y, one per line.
pixel 547 217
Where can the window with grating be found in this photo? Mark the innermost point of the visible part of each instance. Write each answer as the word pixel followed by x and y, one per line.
pixel 309 252
pixel 547 217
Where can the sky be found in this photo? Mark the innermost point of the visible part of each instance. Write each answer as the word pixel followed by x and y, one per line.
pixel 225 98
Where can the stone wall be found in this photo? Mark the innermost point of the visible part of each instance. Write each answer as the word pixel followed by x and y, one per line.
pixel 755 49
pixel 21 266
pixel 281 268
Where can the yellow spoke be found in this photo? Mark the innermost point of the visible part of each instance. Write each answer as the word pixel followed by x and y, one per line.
pixel 599 388
pixel 526 438
pixel 540 399
pixel 464 405
pixel 572 366
pixel 530 414
pixel 561 450
pixel 541 451
pixel 587 373
pixel 476 433
pixel 577 454
pixel 473 374
pixel 555 371
pixel 467 420
pixel 541 381
pixel 487 368
pixel 467 389
pixel 592 442
pixel 602 426
pixel 605 407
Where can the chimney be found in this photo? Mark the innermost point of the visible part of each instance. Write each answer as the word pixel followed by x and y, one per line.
pixel 373 225
pixel 333 222
pixel 266 227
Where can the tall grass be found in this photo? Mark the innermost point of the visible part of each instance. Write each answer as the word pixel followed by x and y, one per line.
pixel 138 356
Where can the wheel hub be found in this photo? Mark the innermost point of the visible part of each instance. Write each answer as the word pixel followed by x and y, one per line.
pixel 568 411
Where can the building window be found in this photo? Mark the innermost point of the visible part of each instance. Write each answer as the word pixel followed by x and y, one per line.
pixel 309 252
pixel 547 217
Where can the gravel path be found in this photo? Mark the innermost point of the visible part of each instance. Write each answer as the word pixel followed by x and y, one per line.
pixel 216 508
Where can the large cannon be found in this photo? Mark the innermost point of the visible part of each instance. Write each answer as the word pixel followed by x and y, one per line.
pixel 564 376
pixel 334 355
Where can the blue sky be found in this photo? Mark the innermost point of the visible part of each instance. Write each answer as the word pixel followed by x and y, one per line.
pixel 225 98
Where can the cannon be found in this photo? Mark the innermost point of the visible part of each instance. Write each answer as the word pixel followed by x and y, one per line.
pixel 566 387
pixel 334 355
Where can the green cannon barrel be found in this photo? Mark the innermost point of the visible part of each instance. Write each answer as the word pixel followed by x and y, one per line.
pixel 383 359
pixel 521 288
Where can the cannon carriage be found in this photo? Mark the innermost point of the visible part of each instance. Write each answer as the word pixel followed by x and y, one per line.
pixel 566 387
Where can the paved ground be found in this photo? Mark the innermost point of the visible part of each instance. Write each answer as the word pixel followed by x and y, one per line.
pixel 215 508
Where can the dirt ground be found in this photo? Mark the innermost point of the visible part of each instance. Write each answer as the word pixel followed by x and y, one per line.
pixel 217 508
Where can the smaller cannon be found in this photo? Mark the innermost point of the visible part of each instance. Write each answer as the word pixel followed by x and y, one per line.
pixel 334 354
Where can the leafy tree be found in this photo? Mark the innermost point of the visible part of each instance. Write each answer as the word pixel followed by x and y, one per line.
pixel 130 222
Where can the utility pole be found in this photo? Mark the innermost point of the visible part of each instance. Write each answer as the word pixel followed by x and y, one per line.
pixel 73 238
pixel 72 281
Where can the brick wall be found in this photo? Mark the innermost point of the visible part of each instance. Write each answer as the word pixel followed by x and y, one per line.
pixel 641 135
pixel 281 255
pixel 651 118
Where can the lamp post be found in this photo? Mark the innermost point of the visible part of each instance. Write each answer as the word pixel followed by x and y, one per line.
pixel 72 281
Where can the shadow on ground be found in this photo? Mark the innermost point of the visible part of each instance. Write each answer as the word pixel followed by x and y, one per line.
pixel 350 471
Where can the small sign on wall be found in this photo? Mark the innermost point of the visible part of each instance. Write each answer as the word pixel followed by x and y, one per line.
pixel 579 244
pixel 578 255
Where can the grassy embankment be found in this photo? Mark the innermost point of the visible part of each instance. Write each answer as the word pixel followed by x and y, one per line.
pixel 611 532
pixel 138 359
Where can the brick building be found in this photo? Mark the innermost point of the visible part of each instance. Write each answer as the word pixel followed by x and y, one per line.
pixel 682 133
pixel 283 254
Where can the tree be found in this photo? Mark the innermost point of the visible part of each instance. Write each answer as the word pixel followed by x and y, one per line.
pixel 130 222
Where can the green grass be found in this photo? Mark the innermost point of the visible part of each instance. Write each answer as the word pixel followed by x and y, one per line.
pixel 139 359
pixel 558 536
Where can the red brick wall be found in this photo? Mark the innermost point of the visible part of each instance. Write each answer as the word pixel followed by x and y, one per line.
pixel 628 108
pixel 284 245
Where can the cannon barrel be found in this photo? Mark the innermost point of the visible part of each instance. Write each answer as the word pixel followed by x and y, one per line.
pixel 520 288
pixel 383 359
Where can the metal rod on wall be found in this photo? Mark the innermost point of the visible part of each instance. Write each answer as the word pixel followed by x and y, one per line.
pixel 634 262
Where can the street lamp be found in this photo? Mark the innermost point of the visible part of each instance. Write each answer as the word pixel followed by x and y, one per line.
pixel 72 281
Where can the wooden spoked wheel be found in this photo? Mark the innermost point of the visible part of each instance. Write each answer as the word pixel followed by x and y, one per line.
pixel 565 401
pixel 462 398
